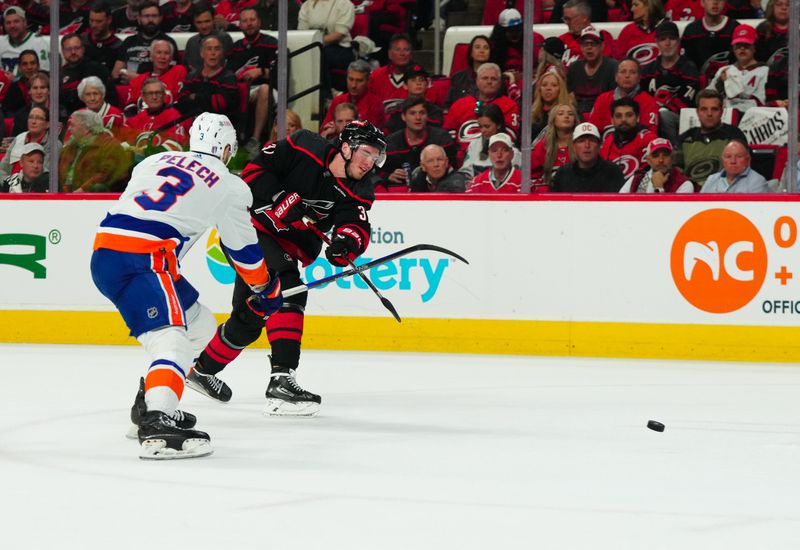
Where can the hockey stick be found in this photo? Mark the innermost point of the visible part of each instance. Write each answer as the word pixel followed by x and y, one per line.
pixel 385 301
pixel 369 265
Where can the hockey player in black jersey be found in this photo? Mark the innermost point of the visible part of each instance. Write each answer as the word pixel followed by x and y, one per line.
pixel 296 179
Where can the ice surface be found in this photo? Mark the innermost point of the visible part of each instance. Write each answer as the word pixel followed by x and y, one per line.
pixel 410 452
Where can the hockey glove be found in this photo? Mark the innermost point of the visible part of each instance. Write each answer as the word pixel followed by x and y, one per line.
pixel 289 209
pixel 266 299
pixel 345 246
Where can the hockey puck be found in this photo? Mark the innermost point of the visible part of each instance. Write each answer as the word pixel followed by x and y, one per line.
pixel 655 425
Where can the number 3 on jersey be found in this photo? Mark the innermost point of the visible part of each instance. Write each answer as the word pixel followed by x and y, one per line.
pixel 177 184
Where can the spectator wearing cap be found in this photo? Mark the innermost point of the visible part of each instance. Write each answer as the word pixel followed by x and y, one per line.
pixel 435 173
pixel 662 176
pixel 707 41
pixel 588 173
pixel 38 131
pixel 551 55
pixel 31 177
pixel 404 146
pixel 76 67
pixel 743 84
pixel 18 38
pixel 476 159
pixel 462 83
pixel 736 176
pixel 507 44
pixel 701 147
pixel 462 118
pixel 502 177
pixel 672 79
pixel 626 145
pixel 417 82
pixel 592 75
pixel 578 16
pixel 386 82
pixel 637 40
pixel 628 80
pixel 37 14
pixel 369 106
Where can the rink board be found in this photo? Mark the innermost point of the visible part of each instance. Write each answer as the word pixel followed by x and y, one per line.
pixel 594 276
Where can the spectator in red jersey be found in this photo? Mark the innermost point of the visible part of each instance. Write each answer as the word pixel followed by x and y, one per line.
pixel 17 96
pixel 628 79
pixel 683 10
pixel 589 77
pixel 134 53
pixel 172 76
pixel 251 59
pixel 707 41
pixel 461 119
pixel 227 13
pixel 92 92
pixel 38 132
pixel 502 177
pixel 555 149
pixel 369 105
pixel 462 83
pixel 773 30
pixel 476 158
pixel 578 16
pixel 638 39
pixel 744 83
pixel 435 175
pixel 101 43
pixel 39 96
pixel 156 115
pixel 662 176
pixel 386 82
pixel 625 146
pixel 343 114
pixel 672 79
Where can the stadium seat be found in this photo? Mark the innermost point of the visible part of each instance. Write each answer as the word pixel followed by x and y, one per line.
pixel 459 58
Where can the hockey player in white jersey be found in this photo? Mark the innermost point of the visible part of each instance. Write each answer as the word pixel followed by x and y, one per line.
pixel 171 200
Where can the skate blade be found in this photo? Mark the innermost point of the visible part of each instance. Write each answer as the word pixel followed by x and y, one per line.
pixel 279 407
pixel 133 432
pixel 156 449
pixel 202 391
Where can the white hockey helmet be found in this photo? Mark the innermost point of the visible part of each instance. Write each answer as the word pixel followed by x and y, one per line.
pixel 210 133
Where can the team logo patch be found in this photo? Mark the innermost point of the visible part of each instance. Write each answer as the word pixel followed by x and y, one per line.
pixel 152 312
pixel 469 131
pixel 629 165
pixel 700 170
pixel 644 53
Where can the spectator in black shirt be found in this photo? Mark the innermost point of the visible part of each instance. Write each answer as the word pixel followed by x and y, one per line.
pixel 134 53
pixel 588 173
pixel 268 11
pixel 177 16
pixel 102 45
pixel 18 91
pixel 707 41
pixel 204 25
pixel 213 87
pixel 589 77
pixel 773 30
pixel 76 67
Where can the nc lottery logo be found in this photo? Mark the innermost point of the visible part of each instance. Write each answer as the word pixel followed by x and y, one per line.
pixel 421 274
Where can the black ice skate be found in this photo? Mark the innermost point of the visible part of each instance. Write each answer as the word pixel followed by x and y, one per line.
pixel 183 420
pixel 162 439
pixel 208 385
pixel 285 397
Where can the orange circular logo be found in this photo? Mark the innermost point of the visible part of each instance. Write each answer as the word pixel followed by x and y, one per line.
pixel 718 260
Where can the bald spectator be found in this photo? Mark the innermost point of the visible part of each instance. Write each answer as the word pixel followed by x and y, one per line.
pixel 18 38
pixel 736 176
pixel 435 174
pixel 628 79
pixel 343 114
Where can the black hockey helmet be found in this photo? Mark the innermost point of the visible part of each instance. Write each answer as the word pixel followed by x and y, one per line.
pixel 362 132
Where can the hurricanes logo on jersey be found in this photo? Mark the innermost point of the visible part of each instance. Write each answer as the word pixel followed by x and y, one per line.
pixel 644 53
pixel 629 165
pixel 251 63
pixel 469 131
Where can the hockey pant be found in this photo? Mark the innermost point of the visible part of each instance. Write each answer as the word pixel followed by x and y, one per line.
pixel 284 328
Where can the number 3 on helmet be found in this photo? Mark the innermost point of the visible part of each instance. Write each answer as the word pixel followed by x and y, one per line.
pixel 210 134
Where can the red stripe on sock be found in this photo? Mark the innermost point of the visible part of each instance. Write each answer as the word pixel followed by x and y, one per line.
pixel 222 351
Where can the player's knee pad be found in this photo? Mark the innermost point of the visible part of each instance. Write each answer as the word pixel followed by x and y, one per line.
pixel 171 344
pixel 201 326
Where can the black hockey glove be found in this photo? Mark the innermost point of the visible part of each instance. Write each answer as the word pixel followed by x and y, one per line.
pixel 345 246
pixel 266 299
pixel 289 209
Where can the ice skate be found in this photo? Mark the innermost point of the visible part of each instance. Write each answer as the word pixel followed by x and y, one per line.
pixel 162 439
pixel 209 385
pixel 285 397
pixel 183 420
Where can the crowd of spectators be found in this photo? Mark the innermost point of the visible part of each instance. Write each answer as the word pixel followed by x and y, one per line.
pixel 652 110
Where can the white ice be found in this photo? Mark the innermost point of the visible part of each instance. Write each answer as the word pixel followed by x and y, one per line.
pixel 410 451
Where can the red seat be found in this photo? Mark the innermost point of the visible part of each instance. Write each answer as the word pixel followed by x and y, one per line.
pixel 122 94
pixel 360 25
pixel 8 125
pixel 459 62
pixel 437 93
